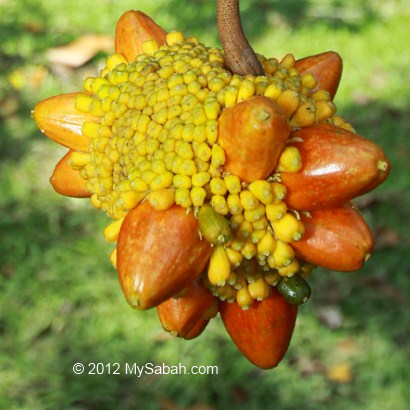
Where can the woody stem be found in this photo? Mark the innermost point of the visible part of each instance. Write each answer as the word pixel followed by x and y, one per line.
pixel 239 55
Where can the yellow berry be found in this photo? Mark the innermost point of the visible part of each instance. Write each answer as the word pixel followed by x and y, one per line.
pixel 112 231
pixel 130 199
pixel 255 214
pixel 276 210
pixel 261 223
pixel 90 129
pixel 203 152
pixel 289 101
pixel 279 190
pixel 212 131
pixel 246 90
pixel 290 160
pixel 321 95
pixel 235 257
pixel 200 179
pixel 288 228
pixel 188 167
pixel 324 110
pixel 162 180
pixel 115 60
pixel 290 269
pixel 245 229
pixel 219 267
pixel 288 61
pixel 174 37
pixel 184 149
pixel 218 156
pixel 183 197
pixel 248 200
pixel 283 255
pixel 162 199
pixel 308 80
pixel 262 190
pixel 233 184
pixel 243 298
pixel 273 91
pixel 218 202
pixel 257 235
pixel 212 109
pixel 218 186
pixel 304 115
pixel 237 244
pixel 259 289
pixel 231 95
pixel 79 160
pixel 234 204
pixel 138 184
pixel 267 245
pixel 249 250
pixel 149 47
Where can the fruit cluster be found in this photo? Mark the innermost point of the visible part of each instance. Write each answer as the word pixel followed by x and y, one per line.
pixel 225 190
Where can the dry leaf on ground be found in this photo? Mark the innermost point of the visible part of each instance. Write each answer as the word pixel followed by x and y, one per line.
pixel 81 50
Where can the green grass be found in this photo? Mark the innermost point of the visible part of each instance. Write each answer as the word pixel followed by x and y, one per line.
pixel 60 299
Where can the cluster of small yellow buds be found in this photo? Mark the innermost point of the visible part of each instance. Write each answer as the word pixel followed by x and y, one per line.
pixel 155 133
pixel 250 281
pixel 155 138
pixel 258 249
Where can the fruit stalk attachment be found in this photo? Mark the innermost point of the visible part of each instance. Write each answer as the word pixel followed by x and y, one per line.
pixel 239 55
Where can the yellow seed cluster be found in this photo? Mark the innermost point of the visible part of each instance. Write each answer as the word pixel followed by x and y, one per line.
pixel 250 281
pixel 155 138
pixel 259 253
pixel 156 132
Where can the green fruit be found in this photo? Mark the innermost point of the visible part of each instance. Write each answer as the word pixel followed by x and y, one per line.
pixel 213 226
pixel 294 289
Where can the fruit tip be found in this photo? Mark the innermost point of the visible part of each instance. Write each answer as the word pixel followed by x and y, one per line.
pixel 382 165
pixel 263 115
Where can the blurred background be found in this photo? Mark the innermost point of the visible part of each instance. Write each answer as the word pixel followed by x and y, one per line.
pixel 60 300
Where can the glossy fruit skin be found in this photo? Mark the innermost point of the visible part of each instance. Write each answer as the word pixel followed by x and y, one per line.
pixel 294 289
pixel 180 314
pixel 58 118
pixel 326 67
pixel 262 332
pixel 253 134
pixel 337 166
pixel 196 330
pixel 133 28
pixel 158 254
pixel 67 181
pixel 335 238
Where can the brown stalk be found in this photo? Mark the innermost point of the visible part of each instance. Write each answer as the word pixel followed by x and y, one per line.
pixel 239 55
